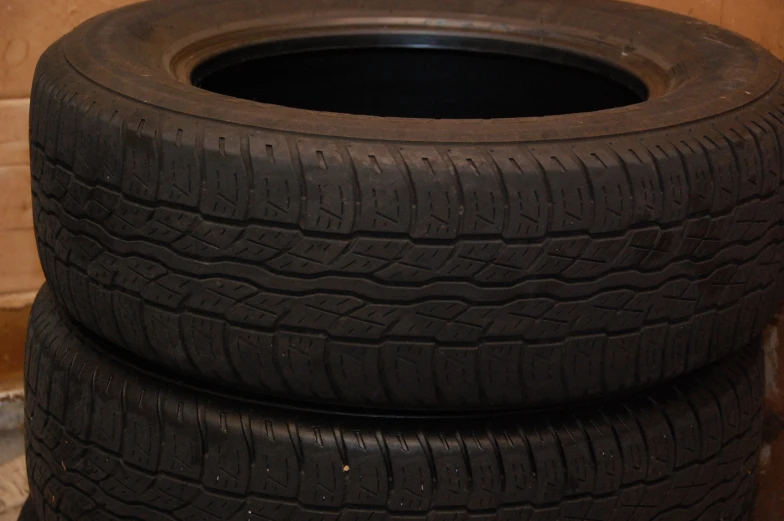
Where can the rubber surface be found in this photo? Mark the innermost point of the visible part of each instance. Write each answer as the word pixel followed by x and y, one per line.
pixel 28 512
pixel 109 441
pixel 351 260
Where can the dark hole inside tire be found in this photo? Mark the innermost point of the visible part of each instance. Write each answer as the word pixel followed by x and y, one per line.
pixel 418 76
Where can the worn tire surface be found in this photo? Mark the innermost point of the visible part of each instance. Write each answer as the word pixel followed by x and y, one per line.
pixel 412 263
pixel 28 512
pixel 109 441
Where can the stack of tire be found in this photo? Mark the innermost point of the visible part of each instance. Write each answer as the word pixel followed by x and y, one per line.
pixel 267 313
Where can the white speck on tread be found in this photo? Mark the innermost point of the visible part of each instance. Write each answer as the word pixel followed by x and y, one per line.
pixel 346 468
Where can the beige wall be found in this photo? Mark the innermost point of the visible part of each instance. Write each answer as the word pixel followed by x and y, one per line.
pixel 27 27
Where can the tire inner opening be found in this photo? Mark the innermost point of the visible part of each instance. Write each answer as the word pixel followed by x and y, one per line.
pixel 443 79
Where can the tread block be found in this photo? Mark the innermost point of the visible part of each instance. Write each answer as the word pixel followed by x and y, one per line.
pixel 438 203
pixel 330 187
pixel 226 182
pixel 385 194
pixel 573 207
pixel 142 158
pixel 527 192
pixel 610 187
pixel 277 187
pixel 180 176
pixel 483 213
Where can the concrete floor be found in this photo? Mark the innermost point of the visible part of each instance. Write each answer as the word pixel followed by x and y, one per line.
pixel 13 480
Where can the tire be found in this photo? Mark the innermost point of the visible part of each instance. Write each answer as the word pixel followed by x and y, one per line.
pixel 28 512
pixel 108 440
pixel 411 263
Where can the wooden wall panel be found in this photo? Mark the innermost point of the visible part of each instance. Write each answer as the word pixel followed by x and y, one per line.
pixel 20 270
pixel 13 131
pixel 708 10
pixel 15 199
pixel 28 27
pixel 760 20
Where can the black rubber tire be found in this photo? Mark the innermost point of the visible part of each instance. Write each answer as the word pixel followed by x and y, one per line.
pixel 109 441
pixel 412 263
pixel 28 512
